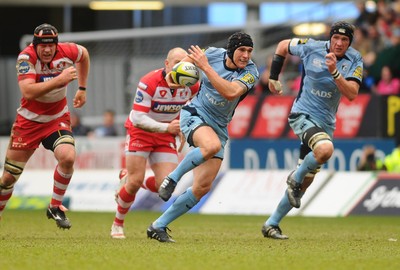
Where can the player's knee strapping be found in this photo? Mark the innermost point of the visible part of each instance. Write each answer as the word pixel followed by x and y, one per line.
pixel 15 168
pixel 64 139
pixel 312 173
pixel 58 138
pixel 313 136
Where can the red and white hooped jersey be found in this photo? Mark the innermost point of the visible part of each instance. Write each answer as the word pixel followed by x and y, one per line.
pixel 161 103
pixel 53 104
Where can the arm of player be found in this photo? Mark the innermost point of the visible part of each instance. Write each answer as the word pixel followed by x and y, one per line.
pixel 143 121
pixel 348 88
pixel 30 89
pixel 83 67
pixel 283 48
pixel 227 89
pixel 281 52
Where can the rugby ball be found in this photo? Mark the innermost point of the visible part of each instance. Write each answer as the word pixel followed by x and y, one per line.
pixel 185 74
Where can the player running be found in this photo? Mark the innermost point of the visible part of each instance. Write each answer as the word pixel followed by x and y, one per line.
pixel 151 127
pixel 44 69
pixel 332 69
pixel 228 75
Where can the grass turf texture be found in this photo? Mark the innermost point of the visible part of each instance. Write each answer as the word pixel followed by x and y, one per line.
pixel 29 241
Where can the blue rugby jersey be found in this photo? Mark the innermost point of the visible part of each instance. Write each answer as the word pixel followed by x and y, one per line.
pixel 319 96
pixel 208 99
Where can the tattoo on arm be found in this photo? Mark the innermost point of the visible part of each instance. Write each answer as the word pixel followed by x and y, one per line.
pixel 243 86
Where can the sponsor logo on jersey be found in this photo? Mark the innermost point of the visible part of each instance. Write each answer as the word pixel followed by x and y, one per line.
pixel 184 93
pixel 139 97
pixel 215 102
pixel 45 78
pixel 136 144
pixel 163 93
pixel 61 66
pixel 192 124
pixel 19 144
pixel 317 62
pixel 248 78
pixel 167 108
pixel 297 41
pixel 303 40
pixel 320 93
pixel 358 73
pixel 23 67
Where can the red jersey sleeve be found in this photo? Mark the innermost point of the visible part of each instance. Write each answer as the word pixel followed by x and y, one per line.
pixel 70 50
pixel 145 91
pixel 26 62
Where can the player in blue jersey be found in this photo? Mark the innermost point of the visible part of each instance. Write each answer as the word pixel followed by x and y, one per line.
pixel 332 69
pixel 227 77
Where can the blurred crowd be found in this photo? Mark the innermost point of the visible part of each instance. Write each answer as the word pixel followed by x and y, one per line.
pixel 371 160
pixel 376 37
pixel 107 128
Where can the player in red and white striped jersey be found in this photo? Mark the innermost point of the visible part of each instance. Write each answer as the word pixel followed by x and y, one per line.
pixel 152 126
pixel 44 69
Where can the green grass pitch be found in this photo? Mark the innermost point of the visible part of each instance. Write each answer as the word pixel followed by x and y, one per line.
pixel 28 240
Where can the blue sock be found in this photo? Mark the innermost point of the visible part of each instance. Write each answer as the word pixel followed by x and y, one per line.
pixel 280 212
pixel 181 205
pixel 192 159
pixel 309 164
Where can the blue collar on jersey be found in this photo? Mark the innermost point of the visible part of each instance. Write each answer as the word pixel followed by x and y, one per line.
pixel 228 68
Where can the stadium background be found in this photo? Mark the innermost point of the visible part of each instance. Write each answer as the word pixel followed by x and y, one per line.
pixel 126 44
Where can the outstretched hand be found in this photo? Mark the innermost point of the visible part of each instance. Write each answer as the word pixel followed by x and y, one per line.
pixel 174 127
pixel 197 55
pixel 79 99
pixel 171 82
pixel 275 87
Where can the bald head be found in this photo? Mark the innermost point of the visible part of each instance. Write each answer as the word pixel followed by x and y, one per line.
pixel 174 56
pixel 177 52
